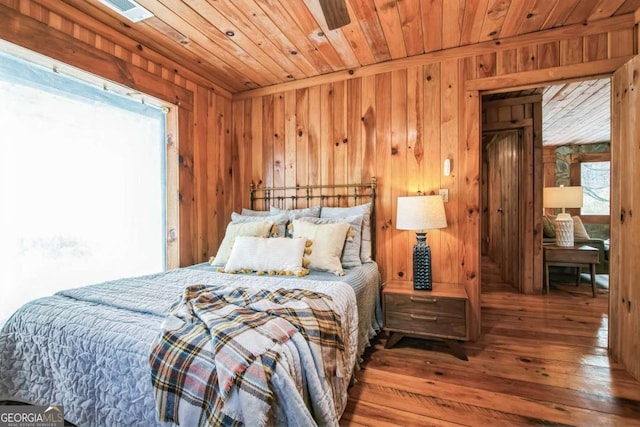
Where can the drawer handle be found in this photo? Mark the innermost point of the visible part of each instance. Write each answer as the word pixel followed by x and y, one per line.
pixel 429 300
pixel 429 318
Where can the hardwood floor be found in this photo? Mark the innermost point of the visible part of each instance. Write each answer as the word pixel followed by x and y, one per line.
pixel 541 360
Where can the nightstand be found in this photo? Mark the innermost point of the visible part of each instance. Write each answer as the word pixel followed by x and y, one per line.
pixel 439 314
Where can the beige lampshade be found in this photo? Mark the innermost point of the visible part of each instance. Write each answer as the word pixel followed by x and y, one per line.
pixel 562 197
pixel 420 213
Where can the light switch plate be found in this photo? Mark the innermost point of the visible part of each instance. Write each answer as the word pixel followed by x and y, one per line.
pixel 444 192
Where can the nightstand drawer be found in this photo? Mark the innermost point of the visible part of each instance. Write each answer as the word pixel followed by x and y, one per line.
pixel 425 305
pixel 427 324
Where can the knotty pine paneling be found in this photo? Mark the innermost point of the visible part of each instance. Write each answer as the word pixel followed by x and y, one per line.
pixel 400 125
pixel 624 309
pixel 397 126
pixel 205 195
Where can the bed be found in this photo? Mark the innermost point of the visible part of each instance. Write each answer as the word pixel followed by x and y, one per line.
pixel 92 349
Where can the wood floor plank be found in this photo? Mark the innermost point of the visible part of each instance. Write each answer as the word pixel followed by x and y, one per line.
pixel 480 372
pixel 373 414
pixel 541 360
pixel 598 340
pixel 594 356
pixel 527 363
pixel 528 408
pixel 437 407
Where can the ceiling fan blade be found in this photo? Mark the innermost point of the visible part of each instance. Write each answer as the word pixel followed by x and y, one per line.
pixel 335 13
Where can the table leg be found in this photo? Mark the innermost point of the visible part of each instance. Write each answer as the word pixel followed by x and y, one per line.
pixel 593 279
pixel 578 276
pixel 546 276
pixel 393 339
pixel 456 349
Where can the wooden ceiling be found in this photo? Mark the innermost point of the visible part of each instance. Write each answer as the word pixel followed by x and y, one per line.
pixel 246 44
pixel 577 113
pixel 572 113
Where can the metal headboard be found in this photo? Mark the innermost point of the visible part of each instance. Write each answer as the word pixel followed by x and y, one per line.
pixel 304 196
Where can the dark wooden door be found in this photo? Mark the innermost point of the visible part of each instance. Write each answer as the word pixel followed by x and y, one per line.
pixel 503 163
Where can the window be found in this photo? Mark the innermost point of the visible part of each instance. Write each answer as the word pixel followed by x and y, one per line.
pixel 592 171
pixel 82 184
pixel 595 179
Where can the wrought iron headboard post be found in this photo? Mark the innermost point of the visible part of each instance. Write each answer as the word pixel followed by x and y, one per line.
pixel 252 193
pixel 265 194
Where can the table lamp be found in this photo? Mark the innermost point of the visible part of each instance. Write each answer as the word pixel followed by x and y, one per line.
pixel 421 213
pixel 563 197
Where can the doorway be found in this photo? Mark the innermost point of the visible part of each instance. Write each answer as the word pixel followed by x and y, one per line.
pixel 623 340
pixel 501 164
pixel 572 121
pixel 511 178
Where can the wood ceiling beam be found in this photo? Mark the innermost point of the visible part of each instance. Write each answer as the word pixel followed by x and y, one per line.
pixel 546 75
pixel 507 102
pixel 616 23
pixel 501 126
pixel 128 38
pixel 32 34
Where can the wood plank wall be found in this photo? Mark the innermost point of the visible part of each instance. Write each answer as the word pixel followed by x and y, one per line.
pixel 57 30
pixel 624 300
pixel 399 126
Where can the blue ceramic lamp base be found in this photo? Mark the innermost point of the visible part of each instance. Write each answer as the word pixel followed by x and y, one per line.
pixel 422 264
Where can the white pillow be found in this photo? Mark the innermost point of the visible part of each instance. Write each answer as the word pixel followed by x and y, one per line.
pixel 327 243
pixel 234 230
pixel 279 255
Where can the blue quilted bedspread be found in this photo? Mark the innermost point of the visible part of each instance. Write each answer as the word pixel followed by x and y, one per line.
pixel 88 348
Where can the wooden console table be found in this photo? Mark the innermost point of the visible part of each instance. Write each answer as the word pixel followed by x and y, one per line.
pixel 571 256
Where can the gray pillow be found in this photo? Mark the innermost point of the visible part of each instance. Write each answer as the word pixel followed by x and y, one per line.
pixel 280 221
pixel 313 212
pixel 351 252
pixel 250 212
pixel 365 211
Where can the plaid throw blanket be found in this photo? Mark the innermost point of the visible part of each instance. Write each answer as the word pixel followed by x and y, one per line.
pixel 219 348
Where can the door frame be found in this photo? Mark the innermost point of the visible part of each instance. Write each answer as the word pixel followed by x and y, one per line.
pixel 475 88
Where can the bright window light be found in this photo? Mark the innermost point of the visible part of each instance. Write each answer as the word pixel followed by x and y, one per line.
pixel 595 180
pixel 82 184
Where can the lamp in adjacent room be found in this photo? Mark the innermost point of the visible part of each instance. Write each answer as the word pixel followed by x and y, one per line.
pixel 563 197
pixel 421 213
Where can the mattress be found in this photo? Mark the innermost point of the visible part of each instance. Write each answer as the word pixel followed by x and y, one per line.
pixel 88 348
